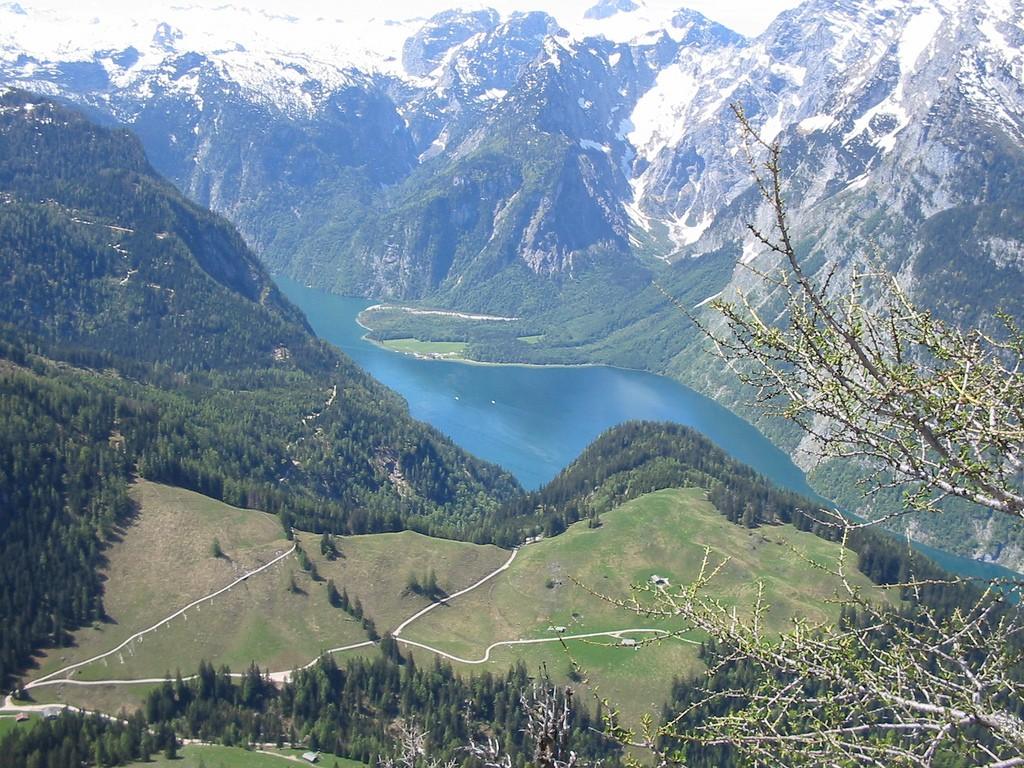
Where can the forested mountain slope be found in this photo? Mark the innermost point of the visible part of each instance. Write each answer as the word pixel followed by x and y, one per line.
pixel 140 335
pixel 655 533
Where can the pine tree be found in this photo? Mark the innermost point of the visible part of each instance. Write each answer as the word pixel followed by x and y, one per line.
pixel 332 594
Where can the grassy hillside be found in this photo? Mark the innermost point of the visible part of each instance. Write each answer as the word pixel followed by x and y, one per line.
pixel 201 756
pixel 139 335
pixel 9 722
pixel 662 533
pixel 442 350
pixel 164 560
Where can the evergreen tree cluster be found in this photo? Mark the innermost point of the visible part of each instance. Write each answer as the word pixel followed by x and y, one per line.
pixel 352 608
pixel 62 491
pixel 636 458
pixel 426 585
pixel 107 266
pixel 74 739
pixel 350 710
pixel 640 457
pixel 138 335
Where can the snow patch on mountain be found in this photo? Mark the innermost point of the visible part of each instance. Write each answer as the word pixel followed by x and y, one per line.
pixel 284 60
pixel 918 34
pixel 684 233
pixel 657 119
pixel 53 30
pixel 917 37
pixel 816 123
pixel 589 144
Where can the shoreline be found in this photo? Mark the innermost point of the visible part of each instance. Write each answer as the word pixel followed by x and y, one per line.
pixel 441 313
pixel 465 360
pixel 469 361
pixel 960 563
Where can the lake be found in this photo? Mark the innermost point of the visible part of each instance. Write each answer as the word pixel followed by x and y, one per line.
pixel 534 420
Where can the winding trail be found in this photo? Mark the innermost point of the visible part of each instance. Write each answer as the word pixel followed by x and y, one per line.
pixel 59 677
pixel 71 667
pixel 286 675
pixel 616 633
pixel 398 630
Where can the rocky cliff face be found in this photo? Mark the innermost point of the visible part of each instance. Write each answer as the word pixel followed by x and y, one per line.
pixel 906 109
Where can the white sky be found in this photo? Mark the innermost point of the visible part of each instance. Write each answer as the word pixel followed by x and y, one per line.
pixel 329 35
pixel 749 17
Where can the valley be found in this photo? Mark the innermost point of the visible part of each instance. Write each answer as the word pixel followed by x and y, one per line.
pixel 535 419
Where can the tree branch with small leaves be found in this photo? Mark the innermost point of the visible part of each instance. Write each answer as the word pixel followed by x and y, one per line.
pixel 873 377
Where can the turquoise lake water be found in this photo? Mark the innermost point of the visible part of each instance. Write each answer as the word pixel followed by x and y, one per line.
pixel 534 421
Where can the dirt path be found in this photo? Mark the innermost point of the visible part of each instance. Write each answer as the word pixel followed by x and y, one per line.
pixel 50 679
pixel 55 678
pixel 10 706
pixel 616 633
pixel 398 630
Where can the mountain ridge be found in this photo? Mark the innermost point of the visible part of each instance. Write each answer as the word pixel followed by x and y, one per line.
pixel 111 265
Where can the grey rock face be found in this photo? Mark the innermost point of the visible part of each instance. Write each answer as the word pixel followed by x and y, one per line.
pixel 425 50
pixel 608 8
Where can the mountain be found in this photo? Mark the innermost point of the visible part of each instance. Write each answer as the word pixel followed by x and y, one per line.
pixel 575 169
pixel 105 259
pixel 273 139
pixel 404 174
pixel 139 335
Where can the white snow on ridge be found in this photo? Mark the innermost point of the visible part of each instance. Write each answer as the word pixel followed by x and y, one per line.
pixel 746 18
pixel 285 62
pixel 437 146
pixel 708 300
pixel 55 31
pixel 796 75
pixel 1005 49
pixel 816 123
pixel 684 234
pixel 638 217
pixel 773 126
pixel 327 39
pixel 917 37
pixel 751 250
pixel 657 120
